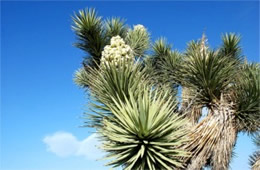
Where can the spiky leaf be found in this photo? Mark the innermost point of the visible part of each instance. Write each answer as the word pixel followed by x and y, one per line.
pixel 90 34
pixel 247 96
pixel 144 132
pixel 138 39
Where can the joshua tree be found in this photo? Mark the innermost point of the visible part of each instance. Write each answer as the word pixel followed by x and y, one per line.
pixel 137 121
pixel 134 89
pixel 223 83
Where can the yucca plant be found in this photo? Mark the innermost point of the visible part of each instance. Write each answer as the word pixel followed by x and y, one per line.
pixel 137 120
pixel 138 123
pixel 229 88
pixel 134 96
pixel 145 132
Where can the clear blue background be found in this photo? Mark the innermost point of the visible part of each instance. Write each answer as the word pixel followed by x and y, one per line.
pixel 38 96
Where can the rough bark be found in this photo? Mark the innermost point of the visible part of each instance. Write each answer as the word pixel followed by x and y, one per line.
pixel 222 154
pixel 213 139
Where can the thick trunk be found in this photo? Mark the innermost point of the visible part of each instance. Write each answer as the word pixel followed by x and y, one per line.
pixel 223 152
pixel 213 139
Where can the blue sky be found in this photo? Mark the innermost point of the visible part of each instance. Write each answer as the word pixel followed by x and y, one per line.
pixel 41 106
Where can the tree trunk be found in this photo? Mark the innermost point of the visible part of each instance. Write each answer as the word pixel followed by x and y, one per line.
pixel 213 139
pixel 223 152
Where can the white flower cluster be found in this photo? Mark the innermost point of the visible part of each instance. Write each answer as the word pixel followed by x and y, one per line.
pixel 116 52
pixel 139 27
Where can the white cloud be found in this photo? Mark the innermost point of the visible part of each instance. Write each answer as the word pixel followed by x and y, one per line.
pixel 65 144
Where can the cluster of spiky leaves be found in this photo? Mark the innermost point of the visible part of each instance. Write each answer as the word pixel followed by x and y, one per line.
pixel 231 46
pixel 255 158
pixel 162 59
pixel 145 132
pixel 126 97
pixel 89 30
pixel 94 34
pixel 110 82
pixel 114 27
pixel 138 39
pixel 208 73
pixel 247 97
pixel 136 121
